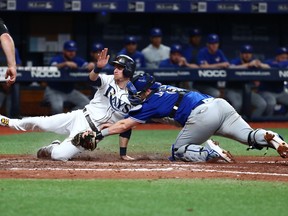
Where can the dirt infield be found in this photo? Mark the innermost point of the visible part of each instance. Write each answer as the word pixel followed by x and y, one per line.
pixel 153 167
pixel 246 168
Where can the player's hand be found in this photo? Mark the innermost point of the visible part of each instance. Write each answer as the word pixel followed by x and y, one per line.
pixel 103 58
pixel 11 75
pixel 127 158
pixel 71 64
pixel 105 125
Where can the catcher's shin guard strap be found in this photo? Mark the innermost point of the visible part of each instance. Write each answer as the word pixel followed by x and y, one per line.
pixel 89 120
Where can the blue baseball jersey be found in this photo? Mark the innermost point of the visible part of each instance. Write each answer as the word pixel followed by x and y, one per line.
pixel 137 56
pixel 65 86
pixel 204 55
pixel 160 104
pixel 190 53
pixel 166 63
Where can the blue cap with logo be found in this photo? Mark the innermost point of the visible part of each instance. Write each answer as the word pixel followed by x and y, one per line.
pixel 281 50
pixel 70 45
pixel 213 38
pixel 130 40
pixel 246 49
pixel 176 48
pixel 195 32
pixel 97 47
pixel 155 32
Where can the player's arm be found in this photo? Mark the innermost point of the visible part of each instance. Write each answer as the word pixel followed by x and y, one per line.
pixel 123 144
pixel 8 47
pixel 101 63
pixel 117 128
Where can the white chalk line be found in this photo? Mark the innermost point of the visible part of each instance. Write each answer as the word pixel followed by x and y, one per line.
pixel 149 170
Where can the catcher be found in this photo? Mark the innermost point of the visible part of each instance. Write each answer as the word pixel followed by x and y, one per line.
pixel 110 104
pixel 200 117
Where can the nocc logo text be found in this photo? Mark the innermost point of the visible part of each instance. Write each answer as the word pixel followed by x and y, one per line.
pixel 212 73
pixel 45 73
pixel 283 73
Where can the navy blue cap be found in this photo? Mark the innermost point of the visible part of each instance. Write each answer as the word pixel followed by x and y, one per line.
pixel 213 38
pixel 70 45
pixel 155 32
pixel 246 49
pixel 176 48
pixel 130 40
pixel 281 50
pixel 195 32
pixel 97 47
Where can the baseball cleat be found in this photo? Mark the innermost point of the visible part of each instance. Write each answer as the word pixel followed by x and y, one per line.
pixel 45 152
pixel 280 145
pixel 215 152
pixel 4 121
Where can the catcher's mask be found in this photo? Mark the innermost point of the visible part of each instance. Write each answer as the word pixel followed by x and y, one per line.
pixel 126 62
pixel 138 85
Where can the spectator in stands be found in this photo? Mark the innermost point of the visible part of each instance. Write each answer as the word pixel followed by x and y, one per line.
pixel 274 91
pixel 130 49
pixel 56 93
pixel 5 91
pixel 211 57
pixel 155 51
pixel 191 50
pixel 95 51
pixel 234 90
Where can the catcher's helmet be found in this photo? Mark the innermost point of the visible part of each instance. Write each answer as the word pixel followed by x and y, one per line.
pixel 126 62
pixel 140 84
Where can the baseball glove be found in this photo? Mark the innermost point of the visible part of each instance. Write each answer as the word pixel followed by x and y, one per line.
pixel 85 139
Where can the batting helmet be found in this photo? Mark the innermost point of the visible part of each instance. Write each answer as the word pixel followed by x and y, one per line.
pixel 140 84
pixel 126 62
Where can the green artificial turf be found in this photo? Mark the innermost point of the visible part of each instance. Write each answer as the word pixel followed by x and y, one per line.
pixel 142 197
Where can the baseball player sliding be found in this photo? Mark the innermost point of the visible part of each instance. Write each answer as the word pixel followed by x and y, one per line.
pixel 110 104
pixel 200 115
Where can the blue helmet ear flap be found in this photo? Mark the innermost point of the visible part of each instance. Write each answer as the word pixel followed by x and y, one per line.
pixel 133 95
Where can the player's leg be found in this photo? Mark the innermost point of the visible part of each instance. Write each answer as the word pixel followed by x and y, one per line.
pixel 259 105
pixel 209 152
pixel 200 126
pixel 235 127
pixel 76 97
pixel 60 123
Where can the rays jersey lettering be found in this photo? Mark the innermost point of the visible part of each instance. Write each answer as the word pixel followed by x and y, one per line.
pixel 110 103
pixel 117 102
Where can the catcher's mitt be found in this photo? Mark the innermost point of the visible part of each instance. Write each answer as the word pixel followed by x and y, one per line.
pixel 85 139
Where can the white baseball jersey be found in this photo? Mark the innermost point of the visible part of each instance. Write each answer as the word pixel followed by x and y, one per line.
pixel 154 55
pixel 110 103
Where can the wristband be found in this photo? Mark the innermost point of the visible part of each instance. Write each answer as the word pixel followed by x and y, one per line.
pixel 123 151
pixel 105 132
pixel 97 70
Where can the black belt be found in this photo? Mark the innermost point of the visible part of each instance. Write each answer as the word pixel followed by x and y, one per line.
pixel 176 105
pixel 89 120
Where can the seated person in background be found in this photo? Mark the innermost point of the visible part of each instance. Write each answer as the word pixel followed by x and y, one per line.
pixel 5 90
pixel 177 60
pixel 155 51
pixel 211 57
pixel 274 91
pixel 234 90
pixel 56 93
pixel 130 49
pixel 95 52
pixel 190 51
